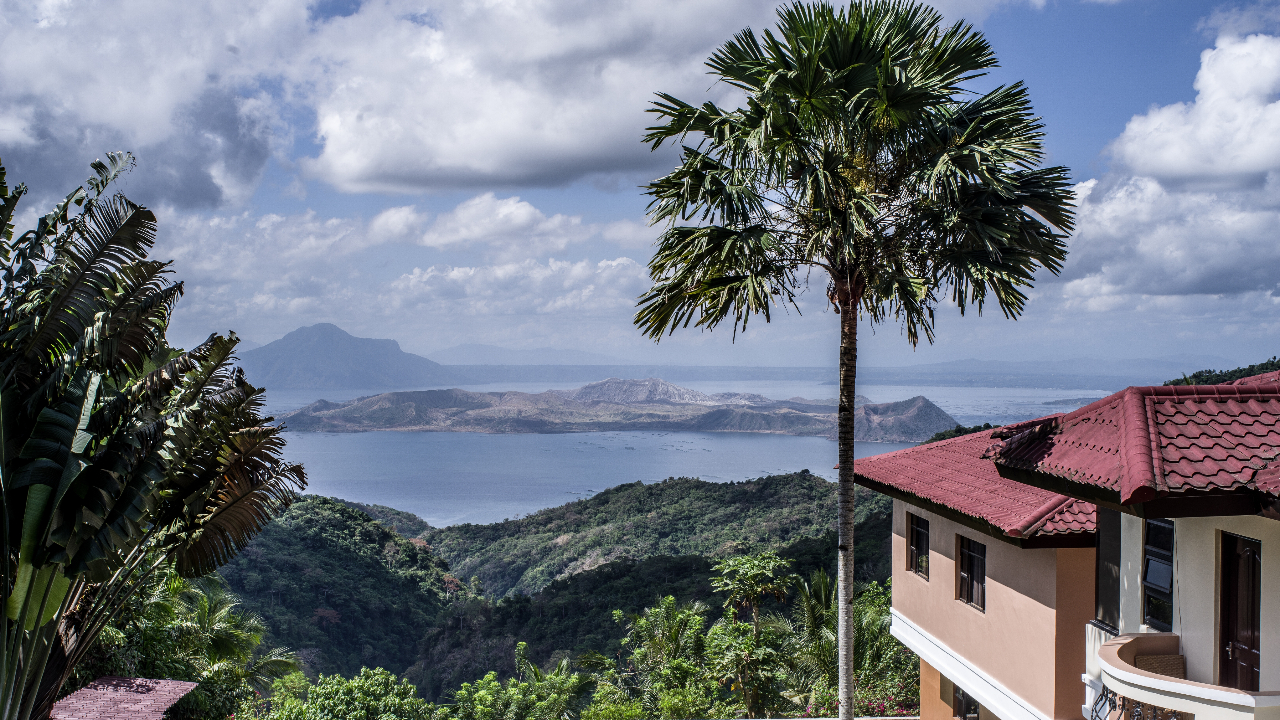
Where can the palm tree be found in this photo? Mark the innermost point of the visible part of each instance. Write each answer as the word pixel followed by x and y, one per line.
pixel 118 455
pixel 859 153
pixel 224 638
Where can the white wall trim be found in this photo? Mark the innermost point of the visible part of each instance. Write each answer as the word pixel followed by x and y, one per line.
pixel 1195 691
pixel 985 689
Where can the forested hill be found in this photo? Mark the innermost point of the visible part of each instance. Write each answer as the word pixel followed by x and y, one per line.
pixel 341 589
pixel 678 516
pixel 1216 377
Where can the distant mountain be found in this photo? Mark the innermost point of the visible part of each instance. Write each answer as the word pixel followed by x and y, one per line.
pixel 906 421
pixel 613 404
pixel 325 357
pixel 473 354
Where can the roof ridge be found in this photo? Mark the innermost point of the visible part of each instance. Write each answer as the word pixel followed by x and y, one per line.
pixel 1041 515
pixel 1138 476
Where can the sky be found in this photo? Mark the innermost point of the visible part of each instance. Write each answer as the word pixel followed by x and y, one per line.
pixel 444 172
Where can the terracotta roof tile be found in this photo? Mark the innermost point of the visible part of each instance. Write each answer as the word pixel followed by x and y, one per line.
pixel 1147 442
pixel 953 473
pixel 118 698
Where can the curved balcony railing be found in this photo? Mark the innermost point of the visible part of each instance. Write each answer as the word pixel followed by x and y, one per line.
pixel 1145 694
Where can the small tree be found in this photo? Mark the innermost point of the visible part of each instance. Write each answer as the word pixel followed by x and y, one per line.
pixel 748 579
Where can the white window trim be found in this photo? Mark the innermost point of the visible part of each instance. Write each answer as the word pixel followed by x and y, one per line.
pixel 986 690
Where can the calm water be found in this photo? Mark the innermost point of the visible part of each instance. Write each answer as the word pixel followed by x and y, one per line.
pixel 449 478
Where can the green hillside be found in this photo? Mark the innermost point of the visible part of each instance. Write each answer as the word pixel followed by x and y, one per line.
pixel 678 516
pixel 1217 377
pixel 346 590
pixel 574 615
pixel 341 589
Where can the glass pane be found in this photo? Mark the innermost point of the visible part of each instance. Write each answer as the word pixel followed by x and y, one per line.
pixel 1159 574
pixel 1159 613
pixel 1160 536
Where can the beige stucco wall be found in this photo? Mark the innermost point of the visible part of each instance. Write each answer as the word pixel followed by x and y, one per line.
pixel 1131 529
pixel 1197 579
pixel 1015 640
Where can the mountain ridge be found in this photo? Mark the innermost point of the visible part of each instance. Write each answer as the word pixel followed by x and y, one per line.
pixel 614 405
pixel 324 356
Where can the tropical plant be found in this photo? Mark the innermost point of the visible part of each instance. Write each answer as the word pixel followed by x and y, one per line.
pixel 748 579
pixel 861 153
pixel 810 641
pixel 371 695
pixel 666 674
pixel 559 694
pixel 118 456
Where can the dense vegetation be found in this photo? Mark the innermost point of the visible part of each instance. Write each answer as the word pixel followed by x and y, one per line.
pixel 573 616
pixel 188 630
pixel 1217 377
pixel 341 589
pixel 679 516
pixel 685 660
pixel 959 430
pixel 346 591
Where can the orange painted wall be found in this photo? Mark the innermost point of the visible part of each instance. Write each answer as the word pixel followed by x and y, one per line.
pixel 1074 606
pixel 933 705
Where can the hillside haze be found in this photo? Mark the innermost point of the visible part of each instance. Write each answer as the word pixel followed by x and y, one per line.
pixel 476 354
pixel 326 357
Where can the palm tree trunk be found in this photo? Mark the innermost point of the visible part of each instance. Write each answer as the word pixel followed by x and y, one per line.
pixel 847 299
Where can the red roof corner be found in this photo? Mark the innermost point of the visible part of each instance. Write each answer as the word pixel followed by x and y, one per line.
pixel 953 475
pixel 118 698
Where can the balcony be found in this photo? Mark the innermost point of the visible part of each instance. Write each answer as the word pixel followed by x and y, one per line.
pixel 1146 695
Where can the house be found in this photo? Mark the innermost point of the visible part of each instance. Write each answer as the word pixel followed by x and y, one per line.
pixel 1181 617
pixel 992 583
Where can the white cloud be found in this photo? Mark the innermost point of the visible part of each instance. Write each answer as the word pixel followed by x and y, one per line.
pixel 510 224
pixel 1191 207
pixel 583 288
pixel 1229 134
pixel 397 223
pixel 1136 237
pixel 405 95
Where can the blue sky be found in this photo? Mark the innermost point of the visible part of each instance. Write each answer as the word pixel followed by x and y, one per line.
pixel 466 172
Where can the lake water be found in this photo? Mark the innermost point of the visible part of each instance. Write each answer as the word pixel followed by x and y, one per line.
pixel 449 478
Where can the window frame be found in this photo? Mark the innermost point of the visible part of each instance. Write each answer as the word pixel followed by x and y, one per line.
pixel 961 701
pixel 918 545
pixel 1153 591
pixel 971 572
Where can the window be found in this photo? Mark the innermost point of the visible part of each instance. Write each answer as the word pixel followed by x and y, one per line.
pixel 963 705
pixel 1157 575
pixel 972 576
pixel 918 545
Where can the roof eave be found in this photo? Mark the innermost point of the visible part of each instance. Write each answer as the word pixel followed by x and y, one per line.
pixel 1064 540
pixel 1211 503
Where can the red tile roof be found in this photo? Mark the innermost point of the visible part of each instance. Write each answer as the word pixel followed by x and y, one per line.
pixel 953 474
pixel 1149 442
pixel 118 698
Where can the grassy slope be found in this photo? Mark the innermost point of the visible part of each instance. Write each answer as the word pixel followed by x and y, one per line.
pixel 679 516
